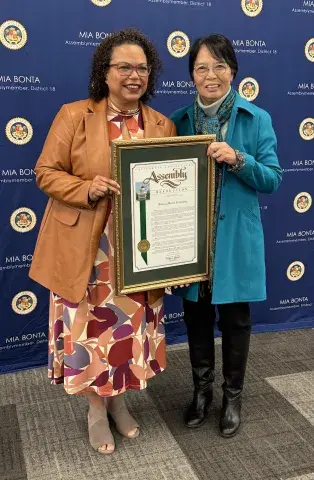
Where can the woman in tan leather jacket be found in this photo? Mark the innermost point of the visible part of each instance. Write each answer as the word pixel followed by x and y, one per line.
pixel 100 344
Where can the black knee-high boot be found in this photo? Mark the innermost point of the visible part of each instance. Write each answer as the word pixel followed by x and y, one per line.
pixel 235 349
pixel 199 318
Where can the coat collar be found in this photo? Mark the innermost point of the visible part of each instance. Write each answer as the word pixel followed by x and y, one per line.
pixel 94 107
pixel 187 114
pixel 242 104
pixel 239 104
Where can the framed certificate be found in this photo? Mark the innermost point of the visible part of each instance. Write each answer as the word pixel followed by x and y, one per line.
pixel 164 215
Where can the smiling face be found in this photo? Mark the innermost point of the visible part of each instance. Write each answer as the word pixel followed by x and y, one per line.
pixel 125 91
pixel 217 80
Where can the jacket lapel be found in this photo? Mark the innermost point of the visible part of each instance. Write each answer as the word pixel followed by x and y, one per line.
pixel 190 114
pixel 152 126
pixel 184 121
pixel 97 144
pixel 239 104
pixel 231 125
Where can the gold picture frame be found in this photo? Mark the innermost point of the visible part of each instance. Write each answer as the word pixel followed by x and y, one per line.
pixel 151 150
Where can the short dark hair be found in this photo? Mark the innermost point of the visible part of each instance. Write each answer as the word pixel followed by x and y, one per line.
pixel 219 46
pixel 98 89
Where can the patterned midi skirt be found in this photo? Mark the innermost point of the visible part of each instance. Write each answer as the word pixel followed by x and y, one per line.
pixel 106 343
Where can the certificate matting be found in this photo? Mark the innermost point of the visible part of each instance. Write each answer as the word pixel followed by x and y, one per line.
pixel 130 242
pixel 164 200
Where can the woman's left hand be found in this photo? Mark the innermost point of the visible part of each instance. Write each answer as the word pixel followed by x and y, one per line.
pixel 222 152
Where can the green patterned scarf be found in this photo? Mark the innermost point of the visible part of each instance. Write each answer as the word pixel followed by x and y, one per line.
pixel 212 125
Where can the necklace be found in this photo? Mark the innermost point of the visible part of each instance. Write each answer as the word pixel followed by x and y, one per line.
pixel 123 113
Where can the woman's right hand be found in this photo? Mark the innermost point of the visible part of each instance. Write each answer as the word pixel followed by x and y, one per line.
pixel 102 186
pixel 182 286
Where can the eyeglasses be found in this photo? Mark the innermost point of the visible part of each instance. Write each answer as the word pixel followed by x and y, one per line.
pixel 126 69
pixel 218 69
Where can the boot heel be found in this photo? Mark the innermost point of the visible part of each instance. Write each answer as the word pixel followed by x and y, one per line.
pixel 230 418
pixel 198 410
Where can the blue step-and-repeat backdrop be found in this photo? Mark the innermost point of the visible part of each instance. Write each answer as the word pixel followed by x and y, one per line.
pixel 45 56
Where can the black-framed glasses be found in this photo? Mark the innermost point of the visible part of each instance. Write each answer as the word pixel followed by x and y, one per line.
pixel 218 69
pixel 126 69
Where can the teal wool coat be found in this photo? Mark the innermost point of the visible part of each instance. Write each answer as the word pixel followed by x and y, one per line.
pixel 239 269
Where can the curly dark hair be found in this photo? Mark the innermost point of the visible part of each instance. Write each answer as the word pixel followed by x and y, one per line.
pixel 98 89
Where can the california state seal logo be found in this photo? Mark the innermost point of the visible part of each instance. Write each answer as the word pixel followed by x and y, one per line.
pixel 101 3
pixel 252 8
pixel 178 44
pixel 13 35
pixel 306 129
pixel 23 220
pixel 302 202
pixel 295 271
pixel 19 131
pixel 309 50
pixel 24 303
pixel 249 89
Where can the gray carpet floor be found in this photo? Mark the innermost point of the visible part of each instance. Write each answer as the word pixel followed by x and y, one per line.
pixel 43 431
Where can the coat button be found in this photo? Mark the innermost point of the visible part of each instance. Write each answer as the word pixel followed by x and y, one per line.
pixel 222 216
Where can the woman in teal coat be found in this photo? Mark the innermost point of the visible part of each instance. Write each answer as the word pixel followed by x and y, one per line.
pixel 246 164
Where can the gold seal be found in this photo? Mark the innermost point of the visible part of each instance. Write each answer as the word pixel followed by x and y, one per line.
pixel 252 8
pixel 143 246
pixel 101 3
pixel 302 202
pixel 178 44
pixel 13 35
pixel 306 129
pixel 309 50
pixel 249 89
pixel 24 303
pixel 295 271
pixel 23 220
pixel 19 131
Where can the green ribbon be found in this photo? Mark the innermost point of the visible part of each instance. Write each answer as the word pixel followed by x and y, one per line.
pixel 143 226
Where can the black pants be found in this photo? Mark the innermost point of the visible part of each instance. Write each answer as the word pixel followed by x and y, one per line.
pixel 235 326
